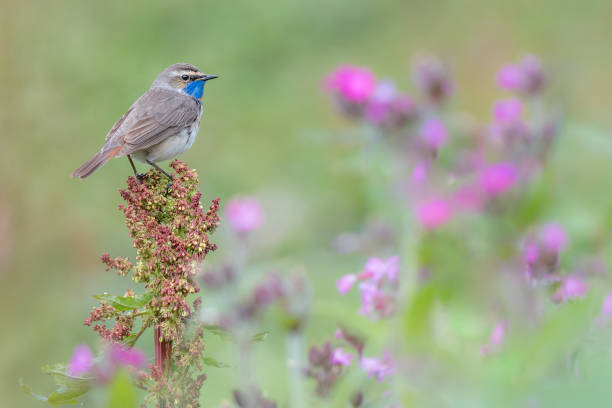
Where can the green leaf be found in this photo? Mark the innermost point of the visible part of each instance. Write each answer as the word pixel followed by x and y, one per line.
pixel 260 336
pixel 212 362
pixel 218 331
pixel 125 303
pixel 122 393
pixel 69 387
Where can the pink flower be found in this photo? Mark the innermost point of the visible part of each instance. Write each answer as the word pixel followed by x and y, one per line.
pixel 510 77
pixel 375 302
pixel 572 287
pixel 379 368
pixel 498 334
pixel 340 357
pixel 419 173
pixel 345 283
pixel 81 361
pixel 434 133
pixel 468 198
pixel 531 253
pixel 498 178
pixel 507 111
pixel 244 214
pixel 125 356
pixel 376 269
pixel 355 84
pixel 553 237
pixel 495 340
pixel 606 308
pixel 434 213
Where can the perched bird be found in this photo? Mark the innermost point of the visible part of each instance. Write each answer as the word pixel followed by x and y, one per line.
pixel 160 125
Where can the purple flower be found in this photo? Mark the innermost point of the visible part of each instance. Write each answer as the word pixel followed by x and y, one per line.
pixel 498 178
pixel 572 287
pixel 125 356
pixel 534 76
pixel 345 283
pixel 244 214
pixel 355 84
pixel 510 77
pixel 340 357
pixel 434 133
pixel 434 213
pixel 379 368
pixel 432 78
pixel 507 111
pixel 553 237
pixel 81 361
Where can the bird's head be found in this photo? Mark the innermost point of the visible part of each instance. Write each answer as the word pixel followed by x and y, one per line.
pixel 185 78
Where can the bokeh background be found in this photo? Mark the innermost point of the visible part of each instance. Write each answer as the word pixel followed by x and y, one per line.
pixel 69 69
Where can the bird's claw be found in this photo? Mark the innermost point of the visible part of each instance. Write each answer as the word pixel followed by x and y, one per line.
pixel 140 177
pixel 168 187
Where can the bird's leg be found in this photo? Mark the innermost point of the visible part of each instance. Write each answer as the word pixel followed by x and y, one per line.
pixel 138 175
pixel 163 171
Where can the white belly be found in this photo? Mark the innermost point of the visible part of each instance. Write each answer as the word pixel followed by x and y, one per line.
pixel 172 146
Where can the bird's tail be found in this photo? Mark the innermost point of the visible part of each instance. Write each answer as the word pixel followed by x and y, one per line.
pixel 95 162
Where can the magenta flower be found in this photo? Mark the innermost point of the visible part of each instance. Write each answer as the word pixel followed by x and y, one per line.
pixel 355 84
pixel 340 357
pixel 510 77
pixel 244 214
pixel 507 111
pixel 379 368
pixel 572 287
pixel 81 361
pixel 498 178
pixel 434 213
pixel 553 237
pixel 345 283
pixel 526 77
pixel 434 133
pixel 125 356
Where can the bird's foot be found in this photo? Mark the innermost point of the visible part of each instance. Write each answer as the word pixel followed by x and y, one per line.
pixel 168 186
pixel 140 177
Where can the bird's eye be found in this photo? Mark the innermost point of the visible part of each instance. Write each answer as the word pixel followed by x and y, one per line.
pixel 185 77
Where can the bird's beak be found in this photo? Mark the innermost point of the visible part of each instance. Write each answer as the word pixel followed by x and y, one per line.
pixel 207 77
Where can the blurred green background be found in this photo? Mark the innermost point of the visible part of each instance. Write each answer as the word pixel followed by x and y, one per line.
pixel 69 69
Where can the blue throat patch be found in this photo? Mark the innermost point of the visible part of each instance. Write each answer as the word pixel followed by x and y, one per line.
pixel 195 89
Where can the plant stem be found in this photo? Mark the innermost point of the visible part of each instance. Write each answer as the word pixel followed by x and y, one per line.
pixel 294 368
pixel 163 351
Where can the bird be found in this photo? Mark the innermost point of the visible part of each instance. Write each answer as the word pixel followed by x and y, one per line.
pixel 160 125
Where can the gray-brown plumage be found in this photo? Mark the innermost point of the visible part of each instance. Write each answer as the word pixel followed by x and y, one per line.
pixel 160 125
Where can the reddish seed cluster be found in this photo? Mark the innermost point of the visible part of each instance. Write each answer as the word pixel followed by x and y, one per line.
pixel 170 232
pixel 121 329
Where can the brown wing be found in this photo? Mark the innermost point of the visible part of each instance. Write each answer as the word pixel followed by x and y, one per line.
pixel 156 115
